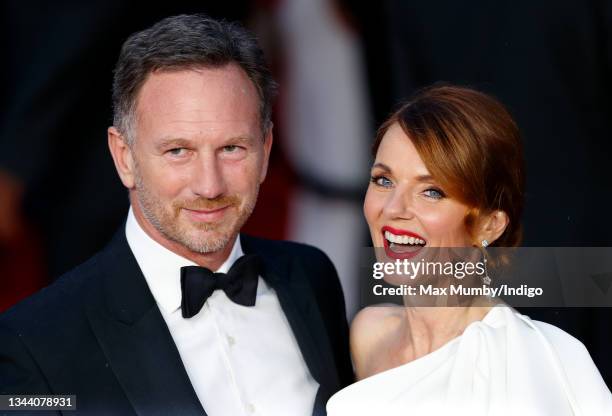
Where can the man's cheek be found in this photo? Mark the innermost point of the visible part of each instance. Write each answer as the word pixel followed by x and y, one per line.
pixel 172 182
pixel 241 178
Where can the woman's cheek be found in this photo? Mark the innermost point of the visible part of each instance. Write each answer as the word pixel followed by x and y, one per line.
pixel 370 207
pixel 447 229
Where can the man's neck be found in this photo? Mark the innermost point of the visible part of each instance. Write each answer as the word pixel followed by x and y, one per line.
pixel 211 261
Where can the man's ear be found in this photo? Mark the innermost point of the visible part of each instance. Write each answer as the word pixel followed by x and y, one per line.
pixel 122 156
pixel 268 138
pixel 492 226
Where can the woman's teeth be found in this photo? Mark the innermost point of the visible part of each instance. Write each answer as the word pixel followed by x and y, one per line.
pixel 403 239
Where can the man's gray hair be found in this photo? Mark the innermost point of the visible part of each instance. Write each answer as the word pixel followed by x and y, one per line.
pixel 186 42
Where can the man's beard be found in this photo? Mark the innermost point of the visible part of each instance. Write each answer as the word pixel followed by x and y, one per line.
pixel 197 237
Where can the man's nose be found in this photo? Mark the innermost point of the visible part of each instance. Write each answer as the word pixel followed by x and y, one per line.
pixel 208 181
pixel 400 204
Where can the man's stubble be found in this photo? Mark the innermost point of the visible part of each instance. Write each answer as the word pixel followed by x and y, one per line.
pixel 196 237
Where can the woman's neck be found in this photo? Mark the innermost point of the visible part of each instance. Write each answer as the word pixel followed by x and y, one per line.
pixel 426 329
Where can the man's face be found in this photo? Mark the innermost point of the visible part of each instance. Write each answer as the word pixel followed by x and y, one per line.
pixel 199 155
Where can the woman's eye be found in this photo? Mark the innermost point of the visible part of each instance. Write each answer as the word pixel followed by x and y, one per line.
pixel 434 193
pixel 381 181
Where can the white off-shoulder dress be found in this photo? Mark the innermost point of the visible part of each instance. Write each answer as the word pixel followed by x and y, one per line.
pixel 506 364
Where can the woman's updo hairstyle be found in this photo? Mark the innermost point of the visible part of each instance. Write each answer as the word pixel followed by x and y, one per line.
pixel 472 147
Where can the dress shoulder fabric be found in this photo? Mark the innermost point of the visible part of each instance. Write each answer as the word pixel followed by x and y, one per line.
pixel 506 364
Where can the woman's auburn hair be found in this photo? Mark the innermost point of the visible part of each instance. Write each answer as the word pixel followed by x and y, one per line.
pixel 472 147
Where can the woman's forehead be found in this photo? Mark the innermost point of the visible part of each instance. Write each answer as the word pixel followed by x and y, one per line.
pixel 398 153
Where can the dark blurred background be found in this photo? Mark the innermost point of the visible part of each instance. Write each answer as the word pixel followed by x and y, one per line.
pixel 343 66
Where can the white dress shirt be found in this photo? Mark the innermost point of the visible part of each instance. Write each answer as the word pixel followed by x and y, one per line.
pixel 240 360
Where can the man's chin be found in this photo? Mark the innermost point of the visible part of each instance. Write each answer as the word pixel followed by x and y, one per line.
pixel 204 240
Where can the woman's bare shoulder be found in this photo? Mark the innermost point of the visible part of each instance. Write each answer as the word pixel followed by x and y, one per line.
pixel 376 315
pixel 372 330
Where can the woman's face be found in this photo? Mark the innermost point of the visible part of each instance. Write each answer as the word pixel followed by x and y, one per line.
pixel 405 208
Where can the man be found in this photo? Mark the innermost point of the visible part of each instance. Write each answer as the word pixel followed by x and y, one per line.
pixel 145 327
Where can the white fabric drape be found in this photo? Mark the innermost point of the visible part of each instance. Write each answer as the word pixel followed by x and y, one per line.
pixel 505 364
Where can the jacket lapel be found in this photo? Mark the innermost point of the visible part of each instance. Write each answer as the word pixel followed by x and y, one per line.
pixel 298 301
pixel 135 339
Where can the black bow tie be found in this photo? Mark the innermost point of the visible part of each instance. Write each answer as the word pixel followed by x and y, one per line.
pixel 239 284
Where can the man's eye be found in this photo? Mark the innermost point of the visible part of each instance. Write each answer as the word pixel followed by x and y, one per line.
pixel 381 181
pixel 434 193
pixel 230 148
pixel 178 151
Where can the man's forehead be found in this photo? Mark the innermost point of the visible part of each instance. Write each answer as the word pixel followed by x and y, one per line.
pixel 228 83
pixel 207 100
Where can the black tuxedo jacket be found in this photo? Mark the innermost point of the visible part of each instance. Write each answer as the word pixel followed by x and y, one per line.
pixel 98 333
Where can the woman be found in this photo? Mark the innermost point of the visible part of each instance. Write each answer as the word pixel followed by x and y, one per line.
pixel 448 172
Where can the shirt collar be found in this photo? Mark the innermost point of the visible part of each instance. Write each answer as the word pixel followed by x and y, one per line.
pixel 161 267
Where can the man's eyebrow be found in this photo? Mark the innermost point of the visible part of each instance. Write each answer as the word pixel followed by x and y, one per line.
pixel 166 142
pixel 240 139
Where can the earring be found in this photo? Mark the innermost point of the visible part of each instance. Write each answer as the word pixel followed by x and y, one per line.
pixel 485 279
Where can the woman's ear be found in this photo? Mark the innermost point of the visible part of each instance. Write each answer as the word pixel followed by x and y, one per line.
pixel 492 226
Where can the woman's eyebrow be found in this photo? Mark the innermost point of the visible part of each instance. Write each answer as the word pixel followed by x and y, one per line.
pixel 381 166
pixel 419 178
pixel 425 178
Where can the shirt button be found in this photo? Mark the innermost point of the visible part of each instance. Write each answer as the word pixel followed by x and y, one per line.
pixel 251 408
pixel 230 341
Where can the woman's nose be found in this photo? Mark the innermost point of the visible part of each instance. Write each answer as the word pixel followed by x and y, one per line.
pixel 399 204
